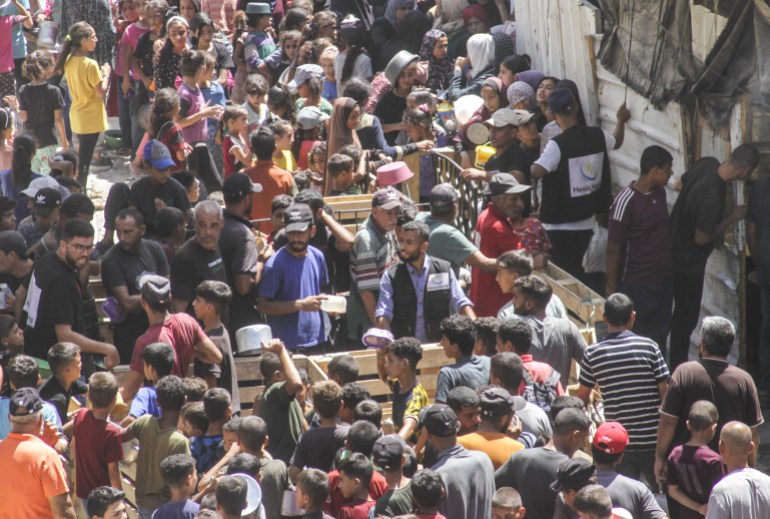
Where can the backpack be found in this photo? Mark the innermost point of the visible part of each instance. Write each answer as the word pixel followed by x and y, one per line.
pixel 542 394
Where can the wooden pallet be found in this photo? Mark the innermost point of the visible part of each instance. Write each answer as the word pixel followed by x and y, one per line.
pixel 584 305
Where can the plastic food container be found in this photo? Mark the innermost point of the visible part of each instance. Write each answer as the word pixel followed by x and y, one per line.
pixel 251 339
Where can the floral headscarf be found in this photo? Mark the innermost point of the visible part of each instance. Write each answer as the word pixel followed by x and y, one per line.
pixel 439 70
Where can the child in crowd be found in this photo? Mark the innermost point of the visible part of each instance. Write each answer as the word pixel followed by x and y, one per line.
pixel 486 336
pixel 195 388
pixel 370 411
pixel 419 127
pixel 215 95
pixel 98 447
pixel 702 465
pixel 355 476
pixel 190 183
pixel 207 449
pixel 126 71
pixel 40 109
pixel 45 215
pixel 343 369
pixel 273 66
pixel 340 169
pixel 277 209
pixel 178 471
pixel 11 345
pixel 458 340
pixel 326 60
pixel 256 89
pixel 159 439
pixel 23 371
pixel 284 138
pixel 159 361
pixel 506 504
pixel 236 154
pixel 6 137
pixel 318 445
pixel 427 492
pixel 304 397
pixel 390 457
pixel 211 299
pixel 316 164
pixel 397 367
pixel 308 81
pixel 309 130
pixel 312 491
pixel 231 494
pixel 257 44
pixel 193 421
pixel 352 394
pixel 64 361
pixel 280 105
pixel 230 433
pixel 163 126
pixel 106 503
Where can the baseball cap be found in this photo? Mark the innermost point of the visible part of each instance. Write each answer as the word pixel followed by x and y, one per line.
pixel 25 401
pixel 298 218
pixel 509 117
pixel 305 72
pixel 46 200
pixel 504 183
pixel 157 154
pixel 13 241
pixel 560 99
pixel 38 184
pixel 443 195
pixel 439 420
pixel 310 117
pixel 387 199
pixel 495 398
pixel 388 451
pixel 239 185
pixel 611 438
pixel 155 288
pixel 6 204
pixel 572 472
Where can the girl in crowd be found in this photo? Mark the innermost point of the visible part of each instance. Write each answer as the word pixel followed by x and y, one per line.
pixel 203 31
pixel 214 94
pixel 163 126
pixel 6 135
pixel 88 84
pixel 188 9
pixel 323 25
pixel 273 66
pixel 504 49
pixel 309 127
pixel 481 55
pixel 257 43
pixel 14 180
pixel 419 127
pixel 235 150
pixel 279 103
pixel 310 89
pixel 341 128
pixel 542 93
pixel 284 138
pixel 494 97
pixel 128 74
pixel 401 72
pixel 353 60
pixel 510 68
pixel 520 96
pixel 435 51
pixel 326 60
pixel 170 56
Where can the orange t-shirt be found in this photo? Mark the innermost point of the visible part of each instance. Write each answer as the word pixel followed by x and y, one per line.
pixel 275 181
pixel 37 474
pixel 497 446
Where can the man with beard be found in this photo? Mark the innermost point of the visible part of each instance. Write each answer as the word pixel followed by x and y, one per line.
pixel 494 236
pixel 198 259
pixel 291 287
pixel 54 305
pixel 239 250
pixel 419 292
pixel 122 265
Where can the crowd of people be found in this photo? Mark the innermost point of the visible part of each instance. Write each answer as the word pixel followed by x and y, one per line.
pixel 241 121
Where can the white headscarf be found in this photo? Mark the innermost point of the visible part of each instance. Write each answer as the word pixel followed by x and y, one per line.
pixel 481 52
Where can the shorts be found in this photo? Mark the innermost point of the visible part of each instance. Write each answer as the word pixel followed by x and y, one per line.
pixel 42 156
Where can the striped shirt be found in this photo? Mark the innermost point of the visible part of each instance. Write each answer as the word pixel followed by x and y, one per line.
pixel 628 368
pixel 373 254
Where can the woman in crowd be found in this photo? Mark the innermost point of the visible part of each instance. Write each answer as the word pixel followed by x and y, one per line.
pixel 341 128
pixel 408 37
pixel 450 21
pixel 480 60
pixel 494 96
pixel 435 53
pixel 188 9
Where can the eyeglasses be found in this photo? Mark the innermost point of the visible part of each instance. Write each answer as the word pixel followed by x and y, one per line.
pixel 81 248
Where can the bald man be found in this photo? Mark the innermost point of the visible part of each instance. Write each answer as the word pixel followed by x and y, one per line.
pixel 744 492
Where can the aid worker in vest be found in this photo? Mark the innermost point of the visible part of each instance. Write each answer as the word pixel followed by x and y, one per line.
pixel 419 292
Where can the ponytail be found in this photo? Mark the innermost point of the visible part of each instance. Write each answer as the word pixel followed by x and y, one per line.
pixel 350 61
pixel 73 40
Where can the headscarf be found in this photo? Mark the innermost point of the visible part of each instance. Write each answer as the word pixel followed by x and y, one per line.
pixel 531 77
pixel 518 92
pixel 476 11
pixel 482 113
pixel 481 52
pixel 337 132
pixel 439 70
pixel 408 37
pixel 450 18
pixel 503 48
pixel 393 6
pixel 497 85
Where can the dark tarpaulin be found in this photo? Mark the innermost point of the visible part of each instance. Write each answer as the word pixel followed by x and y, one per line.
pixel 661 65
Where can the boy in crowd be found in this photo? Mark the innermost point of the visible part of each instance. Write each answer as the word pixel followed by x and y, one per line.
pixel 353 394
pixel 369 411
pixel 355 476
pixel 98 447
pixel 427 491
pixel 106 503
pixel 158 439
pixel 278 405
pixel 486 336
pixel 318 445
pixel 231 493
pixel 179 474
pixel 506 504
pixel 11 344
pixel 230 433
pixel 389 455
pixel 312 491
pixel 211 299
pixel 343 369
pixel 516 264
pixel 194 388
pixel 193 421
pixel 340 171
pixel 207 449
pixel 64 361
pixel 159 361
pixel 397 367
pixel 702 465
pixel 458 339
pixel 277 210
pixel 466 404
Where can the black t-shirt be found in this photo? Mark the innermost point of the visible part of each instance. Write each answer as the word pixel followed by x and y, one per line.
pixel 54 297
pixel 40 102
pixel 390 109
pixel 193 264
pixel 145 54
pixel 143 195
pixel 122 268
pixel 51 391
pixel 514 158
pixel 239 253
pixel 223 57
pixel 699 206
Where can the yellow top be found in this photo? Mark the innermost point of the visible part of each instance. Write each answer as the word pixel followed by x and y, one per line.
pixel 87 114
pixel 286 162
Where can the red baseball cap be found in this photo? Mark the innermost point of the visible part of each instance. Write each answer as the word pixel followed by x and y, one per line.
pixel 611 438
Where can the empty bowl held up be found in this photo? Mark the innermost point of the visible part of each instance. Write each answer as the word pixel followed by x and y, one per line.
pixel 393 173
pixel 251 339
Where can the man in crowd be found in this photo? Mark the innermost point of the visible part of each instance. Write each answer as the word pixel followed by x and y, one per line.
pixel 621 361
pixel 15 265
pixel 374 252
pixel 292 285
pixel 54 304
pixel 418 293
pixel 697 223
pixel 121 268
pixel 638 248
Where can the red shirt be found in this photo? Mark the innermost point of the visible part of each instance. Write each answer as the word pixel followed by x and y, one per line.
pixel 335 502
pixel 355 509
pixel 538 372
pixel 97 445
pixel 181 331
pixel 494 235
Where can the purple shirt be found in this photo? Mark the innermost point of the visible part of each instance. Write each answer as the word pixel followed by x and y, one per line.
pixel 695 470
pixel 191 102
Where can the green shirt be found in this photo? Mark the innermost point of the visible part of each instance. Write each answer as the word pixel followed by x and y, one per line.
pixel 284 420
pixel 447 242
pixel 155 445
pixel 325 106
pixel 395 502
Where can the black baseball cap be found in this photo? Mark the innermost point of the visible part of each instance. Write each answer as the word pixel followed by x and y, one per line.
pixel 298 218
pixel 240 185
pixel 46 200
pixel 439 420
pixel 443 195
pixel 495 398
pixel 25 401
pixel 13 241
pixel 388 452
pixel 573 472
pixel 387 198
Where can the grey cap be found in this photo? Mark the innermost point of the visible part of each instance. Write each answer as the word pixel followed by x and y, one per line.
pixel 154 288
pixel 504 183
